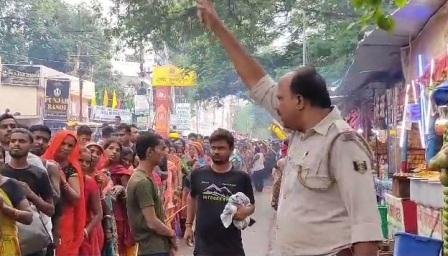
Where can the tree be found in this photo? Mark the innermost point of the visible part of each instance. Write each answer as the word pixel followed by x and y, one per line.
pixel 253 120
pixel 58 35
pixel 376 12
pixel 173 24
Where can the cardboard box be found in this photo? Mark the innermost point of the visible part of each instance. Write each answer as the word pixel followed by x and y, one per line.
pixel 402 215
pixel 428 219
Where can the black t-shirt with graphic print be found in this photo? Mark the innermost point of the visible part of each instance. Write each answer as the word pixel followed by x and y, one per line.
pixel 212 191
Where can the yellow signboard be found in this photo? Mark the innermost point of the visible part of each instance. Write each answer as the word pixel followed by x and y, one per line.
pixel 170 75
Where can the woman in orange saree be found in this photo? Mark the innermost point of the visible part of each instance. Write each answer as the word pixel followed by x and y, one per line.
pixel 64 150
pixel 173 186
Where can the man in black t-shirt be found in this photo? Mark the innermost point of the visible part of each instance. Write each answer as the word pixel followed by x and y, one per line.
pixel 211 187
pixel 35 179
pixel 34 182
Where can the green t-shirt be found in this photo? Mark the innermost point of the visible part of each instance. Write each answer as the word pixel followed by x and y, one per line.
pixel 141 193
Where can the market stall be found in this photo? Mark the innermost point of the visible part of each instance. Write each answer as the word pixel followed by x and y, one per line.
pixel 424 146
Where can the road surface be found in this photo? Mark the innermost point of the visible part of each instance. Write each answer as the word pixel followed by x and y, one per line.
pixel 256 239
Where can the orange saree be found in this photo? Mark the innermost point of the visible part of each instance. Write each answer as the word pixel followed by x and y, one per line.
pixel 73 220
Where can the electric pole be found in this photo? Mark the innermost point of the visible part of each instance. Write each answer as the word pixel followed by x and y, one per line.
pixel 79 74
pixel 304 61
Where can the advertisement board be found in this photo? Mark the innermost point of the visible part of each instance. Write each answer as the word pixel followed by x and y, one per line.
pixel 170 75
pixel 182 116
pixel 16 75
pixel 57 93
pixel 106 115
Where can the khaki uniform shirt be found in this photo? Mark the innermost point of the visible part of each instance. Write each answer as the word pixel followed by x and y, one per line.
pixel 327 198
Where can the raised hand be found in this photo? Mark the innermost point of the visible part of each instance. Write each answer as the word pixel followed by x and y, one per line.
pixel 207 13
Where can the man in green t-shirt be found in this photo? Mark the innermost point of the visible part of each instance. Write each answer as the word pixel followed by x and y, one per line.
pixel 144 204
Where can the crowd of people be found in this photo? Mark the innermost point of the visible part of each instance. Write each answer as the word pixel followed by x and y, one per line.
pixel 78 197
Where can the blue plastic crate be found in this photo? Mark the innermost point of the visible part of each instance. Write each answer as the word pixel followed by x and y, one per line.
pixel 413 245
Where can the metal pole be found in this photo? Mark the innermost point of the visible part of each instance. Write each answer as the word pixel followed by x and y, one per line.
pixel 304 61
pixel 81 117
pixel 197 117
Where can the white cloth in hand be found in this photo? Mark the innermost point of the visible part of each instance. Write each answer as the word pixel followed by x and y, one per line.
pixel 235 201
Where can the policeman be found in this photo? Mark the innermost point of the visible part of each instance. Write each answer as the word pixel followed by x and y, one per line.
pixel 327 200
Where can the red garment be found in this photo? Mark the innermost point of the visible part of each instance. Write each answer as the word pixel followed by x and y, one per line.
pixel 73 219
pixel 157 179
pixel 93 245
pixel 125 237
pixel 169 191
pixel 120 170
pixel 102 163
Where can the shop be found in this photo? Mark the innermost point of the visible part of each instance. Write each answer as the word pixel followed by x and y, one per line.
pixel 404 75
pixel 425 67
pixel 24 83
pixel 52 97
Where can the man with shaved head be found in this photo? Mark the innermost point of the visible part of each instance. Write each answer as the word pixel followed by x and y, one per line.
pixel 327 201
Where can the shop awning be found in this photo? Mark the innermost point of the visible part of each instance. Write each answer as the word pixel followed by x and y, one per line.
pixel 378 56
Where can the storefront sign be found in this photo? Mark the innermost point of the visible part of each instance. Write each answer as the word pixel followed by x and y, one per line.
pixel 182 117
pixel 16 75
pixel 170 75
pixel 104 114
pixel 429 221
pixel 56 99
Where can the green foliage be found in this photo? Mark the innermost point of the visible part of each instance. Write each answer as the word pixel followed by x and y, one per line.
pixel 253 121
pixel 375 12
pixel 53 33
pixel 271 30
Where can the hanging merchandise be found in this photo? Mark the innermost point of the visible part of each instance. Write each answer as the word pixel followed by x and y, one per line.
pixel 354 119
pixel 433 140
pixel 415 112
pixel 382 136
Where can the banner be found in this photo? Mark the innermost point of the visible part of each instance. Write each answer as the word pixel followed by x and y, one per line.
pixel 16 75
pixel 162 105
pixel 182 116
pixel 141 105
pixel 57 93
pixel 170 75
pixel 106 115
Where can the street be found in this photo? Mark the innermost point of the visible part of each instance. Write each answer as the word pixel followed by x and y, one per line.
pixel 256 239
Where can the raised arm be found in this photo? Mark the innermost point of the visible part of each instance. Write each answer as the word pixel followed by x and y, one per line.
pixel 248 68
pixel 263 89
